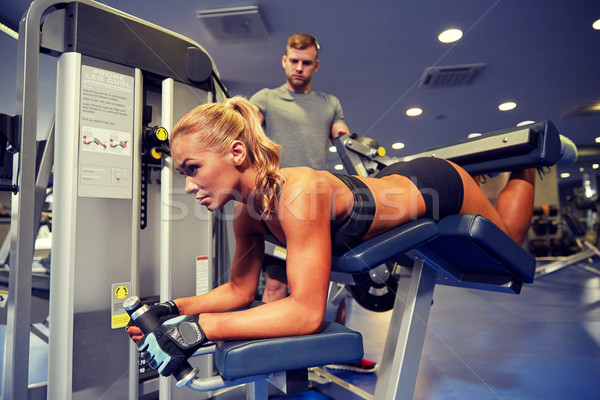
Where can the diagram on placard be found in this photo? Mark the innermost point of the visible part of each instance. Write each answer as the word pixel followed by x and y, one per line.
pixel 105 141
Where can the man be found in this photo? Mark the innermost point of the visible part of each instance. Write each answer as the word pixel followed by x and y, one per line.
pixel 294 115
pixel 302 120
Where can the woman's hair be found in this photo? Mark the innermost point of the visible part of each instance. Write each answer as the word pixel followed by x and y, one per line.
pixel 216 126
pixel 301 41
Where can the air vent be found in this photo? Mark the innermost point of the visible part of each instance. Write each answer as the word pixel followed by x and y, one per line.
pixel 450 75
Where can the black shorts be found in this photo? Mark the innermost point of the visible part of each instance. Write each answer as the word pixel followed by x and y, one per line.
pixel 438 181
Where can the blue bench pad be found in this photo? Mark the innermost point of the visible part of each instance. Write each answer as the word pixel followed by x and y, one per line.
pixel 334 344
pixel 475 246
pixel 383 247
pixel 468 247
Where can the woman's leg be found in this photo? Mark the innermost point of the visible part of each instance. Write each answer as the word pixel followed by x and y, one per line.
pixel 515 203
pixel 514 206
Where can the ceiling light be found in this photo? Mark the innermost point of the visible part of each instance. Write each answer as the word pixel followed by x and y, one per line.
pixel 473 135
pixel 596 25
pixel 398 146
pixel 338 167
pixel 598 139
pixel 9 32
pixel 581 169
pixel 509 105
pixel 595 166
pixel 565 175
pixel 413 112
pixel 333 149
pixel 528 122
pixel 450 35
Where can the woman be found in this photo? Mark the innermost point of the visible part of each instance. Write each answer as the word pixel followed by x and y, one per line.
pixel 224 155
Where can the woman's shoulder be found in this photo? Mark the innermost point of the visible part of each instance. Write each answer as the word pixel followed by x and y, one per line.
pixel 304 178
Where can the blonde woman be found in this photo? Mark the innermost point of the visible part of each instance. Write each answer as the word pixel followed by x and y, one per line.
pixel 225 156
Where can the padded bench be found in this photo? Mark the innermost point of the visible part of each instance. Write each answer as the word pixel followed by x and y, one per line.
pixel 334 344
pixel 461 250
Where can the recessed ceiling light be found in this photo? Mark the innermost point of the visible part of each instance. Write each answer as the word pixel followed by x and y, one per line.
pixel 525 123
pixel 596 25
pixel 595 166
pixel 598 139
pixel 565 175
pixel 509 105
pixel 473 135
pixel 450 35
pixel 581 169
pixel 398 146
pixel 333 149
pixel 338 167
pixel 413 112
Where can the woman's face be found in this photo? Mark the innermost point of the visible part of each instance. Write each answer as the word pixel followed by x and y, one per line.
pixel 210 176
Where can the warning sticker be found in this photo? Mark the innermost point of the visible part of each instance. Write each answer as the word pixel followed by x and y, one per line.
pixel 3 298
pixel 202 276
pixel 120 292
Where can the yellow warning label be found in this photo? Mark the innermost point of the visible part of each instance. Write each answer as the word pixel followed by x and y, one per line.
pixel 120 320
pixel 121 292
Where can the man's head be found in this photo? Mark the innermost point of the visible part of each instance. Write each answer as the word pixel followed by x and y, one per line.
pixel 300 62
pixel 301 41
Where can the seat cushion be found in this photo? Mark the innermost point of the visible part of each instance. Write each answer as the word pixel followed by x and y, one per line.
pixel 476 246
pixel 385 246
pixel 334 344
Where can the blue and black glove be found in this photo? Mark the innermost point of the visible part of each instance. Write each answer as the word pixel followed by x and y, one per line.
pixel 162 311
pixel 172 343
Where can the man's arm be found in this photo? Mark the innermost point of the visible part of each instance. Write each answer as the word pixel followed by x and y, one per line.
pixel 338 128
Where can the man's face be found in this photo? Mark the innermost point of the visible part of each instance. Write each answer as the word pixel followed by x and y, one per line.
pixel 300 66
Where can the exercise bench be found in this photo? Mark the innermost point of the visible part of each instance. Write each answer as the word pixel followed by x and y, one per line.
pixel 459 250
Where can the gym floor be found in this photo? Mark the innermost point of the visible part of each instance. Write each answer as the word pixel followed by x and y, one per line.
pixel 541 344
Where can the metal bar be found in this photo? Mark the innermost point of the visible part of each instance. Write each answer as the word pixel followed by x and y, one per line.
pixel 563 263
pixel 406 334
pixel 16 353
pixel 335 387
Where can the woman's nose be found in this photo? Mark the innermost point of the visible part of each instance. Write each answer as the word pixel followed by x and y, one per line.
pixel 190 186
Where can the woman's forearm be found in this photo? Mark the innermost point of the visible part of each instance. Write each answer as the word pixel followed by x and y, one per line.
pixel 222 298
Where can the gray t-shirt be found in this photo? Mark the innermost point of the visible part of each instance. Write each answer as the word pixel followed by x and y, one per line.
pixel 300 123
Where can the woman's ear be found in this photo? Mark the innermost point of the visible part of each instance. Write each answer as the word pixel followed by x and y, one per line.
pixel 238 153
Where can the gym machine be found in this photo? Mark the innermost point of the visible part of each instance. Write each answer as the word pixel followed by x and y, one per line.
pixel 121 222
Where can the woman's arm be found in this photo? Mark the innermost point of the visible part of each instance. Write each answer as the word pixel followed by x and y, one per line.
pixel 305 221
pixel 239 292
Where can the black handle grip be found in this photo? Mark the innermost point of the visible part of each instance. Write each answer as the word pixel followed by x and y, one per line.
pixel 144 319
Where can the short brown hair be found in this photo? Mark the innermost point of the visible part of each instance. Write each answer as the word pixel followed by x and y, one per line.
pixel 301 41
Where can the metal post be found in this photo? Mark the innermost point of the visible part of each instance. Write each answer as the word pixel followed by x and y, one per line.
pixel 406 334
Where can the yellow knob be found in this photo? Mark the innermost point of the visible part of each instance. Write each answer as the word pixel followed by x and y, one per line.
pixel 156 154
pixel 161 134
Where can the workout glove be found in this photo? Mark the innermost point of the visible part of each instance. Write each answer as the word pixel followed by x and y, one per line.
pixel 172 343
pixel 160 311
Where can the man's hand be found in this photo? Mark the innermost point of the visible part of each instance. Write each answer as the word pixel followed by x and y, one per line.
pixel 172 343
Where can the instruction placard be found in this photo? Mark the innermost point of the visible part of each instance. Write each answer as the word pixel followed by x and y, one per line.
pixel 118 316
pixel 106 130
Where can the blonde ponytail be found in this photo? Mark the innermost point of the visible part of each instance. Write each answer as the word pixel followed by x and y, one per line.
pixel 218 125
